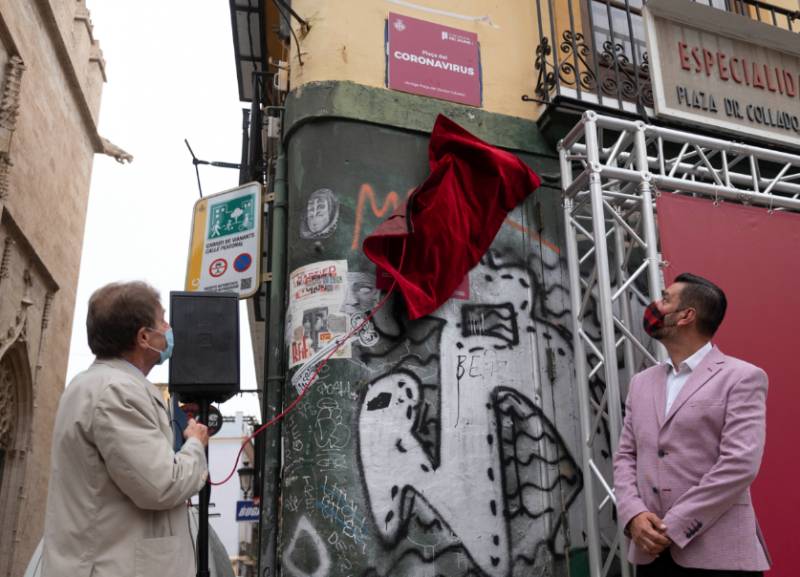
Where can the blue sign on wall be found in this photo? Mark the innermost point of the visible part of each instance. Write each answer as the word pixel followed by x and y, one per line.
pixel 247 511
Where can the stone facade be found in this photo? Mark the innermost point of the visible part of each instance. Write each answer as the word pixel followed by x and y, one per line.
pixel 51 78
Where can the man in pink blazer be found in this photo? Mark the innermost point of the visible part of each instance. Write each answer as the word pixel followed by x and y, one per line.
pixel 691 445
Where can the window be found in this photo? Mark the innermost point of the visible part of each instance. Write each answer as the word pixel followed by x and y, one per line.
pixel 721 4
pixel 618 29
pixel 622 22
pixel 619 48
pixel 619 61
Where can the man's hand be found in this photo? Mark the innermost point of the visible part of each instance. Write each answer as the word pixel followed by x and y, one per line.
pixel 649 533
pixel 196 430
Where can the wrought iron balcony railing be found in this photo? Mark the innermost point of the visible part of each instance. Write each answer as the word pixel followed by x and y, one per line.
pixel 594 51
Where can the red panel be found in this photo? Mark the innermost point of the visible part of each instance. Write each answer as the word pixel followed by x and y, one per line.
pixel 754 256
pixel 433 60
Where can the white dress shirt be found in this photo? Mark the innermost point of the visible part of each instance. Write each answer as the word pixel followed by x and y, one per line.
pixel 676 378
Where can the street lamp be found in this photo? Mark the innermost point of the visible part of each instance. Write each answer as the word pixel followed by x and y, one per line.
pixel 246 479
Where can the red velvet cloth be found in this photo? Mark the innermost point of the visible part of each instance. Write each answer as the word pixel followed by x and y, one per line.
pixel 449 221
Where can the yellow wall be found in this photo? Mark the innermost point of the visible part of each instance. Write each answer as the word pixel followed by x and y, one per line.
pixel 346 42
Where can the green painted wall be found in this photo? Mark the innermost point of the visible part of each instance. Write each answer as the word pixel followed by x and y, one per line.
pixel 444 446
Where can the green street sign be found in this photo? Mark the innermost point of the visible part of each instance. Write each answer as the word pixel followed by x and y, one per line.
pixel 232 216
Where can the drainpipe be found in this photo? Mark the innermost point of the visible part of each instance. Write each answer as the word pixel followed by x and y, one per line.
pixel 274 376
pixel 244 164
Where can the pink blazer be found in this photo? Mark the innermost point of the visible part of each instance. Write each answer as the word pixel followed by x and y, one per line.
pixel 693 467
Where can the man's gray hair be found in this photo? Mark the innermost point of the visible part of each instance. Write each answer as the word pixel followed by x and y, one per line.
pixel 116 313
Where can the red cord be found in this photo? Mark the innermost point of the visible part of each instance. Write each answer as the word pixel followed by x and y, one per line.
pixel 313 378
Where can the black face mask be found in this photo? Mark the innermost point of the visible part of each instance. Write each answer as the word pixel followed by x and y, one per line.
pixel 653 319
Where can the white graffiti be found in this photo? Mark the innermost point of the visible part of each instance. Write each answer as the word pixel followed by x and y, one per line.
pixel 309 498
pixel 330 432
pixel 397 468
pixel 292 503
pixel 299 560
pixel 486 422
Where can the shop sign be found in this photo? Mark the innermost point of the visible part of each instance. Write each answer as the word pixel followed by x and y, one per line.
pixel 724 71
pixel 247 510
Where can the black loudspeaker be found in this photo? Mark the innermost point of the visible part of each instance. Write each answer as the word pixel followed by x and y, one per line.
pixel 205 360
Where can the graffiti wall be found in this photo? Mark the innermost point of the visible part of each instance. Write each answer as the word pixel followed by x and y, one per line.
pixel 444 446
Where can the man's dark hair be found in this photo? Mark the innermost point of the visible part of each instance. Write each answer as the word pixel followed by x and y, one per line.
pixel 116 313
pixel 704 297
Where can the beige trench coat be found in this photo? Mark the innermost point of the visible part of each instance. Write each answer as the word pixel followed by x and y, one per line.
pixel 117 499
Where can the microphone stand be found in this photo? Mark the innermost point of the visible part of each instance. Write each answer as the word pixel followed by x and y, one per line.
pixel 205 498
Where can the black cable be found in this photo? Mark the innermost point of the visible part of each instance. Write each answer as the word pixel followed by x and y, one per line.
pixel 305 23
pixel 289 24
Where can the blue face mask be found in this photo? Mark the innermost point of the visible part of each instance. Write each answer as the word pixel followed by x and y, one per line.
pixel 167 352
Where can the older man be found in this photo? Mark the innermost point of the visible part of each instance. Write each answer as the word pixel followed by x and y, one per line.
pixel 117 500
pixel 691 445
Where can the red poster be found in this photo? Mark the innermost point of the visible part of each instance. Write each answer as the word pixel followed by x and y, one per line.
pixel 433 60
pixel 753 255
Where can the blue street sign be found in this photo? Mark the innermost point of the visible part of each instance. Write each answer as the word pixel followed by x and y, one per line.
pixel 247 511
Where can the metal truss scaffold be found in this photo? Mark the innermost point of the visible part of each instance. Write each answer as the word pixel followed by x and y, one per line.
pixel 612 171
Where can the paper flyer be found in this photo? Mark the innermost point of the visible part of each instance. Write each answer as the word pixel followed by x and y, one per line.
pixel 316 294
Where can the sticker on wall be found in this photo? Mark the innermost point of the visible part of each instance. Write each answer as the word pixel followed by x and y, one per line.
pixel 361 297
pixel 361 294
pixel 367 336
pixel 321 215
pixel 317 293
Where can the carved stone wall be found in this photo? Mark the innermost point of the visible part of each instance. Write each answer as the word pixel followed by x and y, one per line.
pixel 9 110
pixel 51 74
pixel 16 410
pixel 27 293
pixel 8 404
